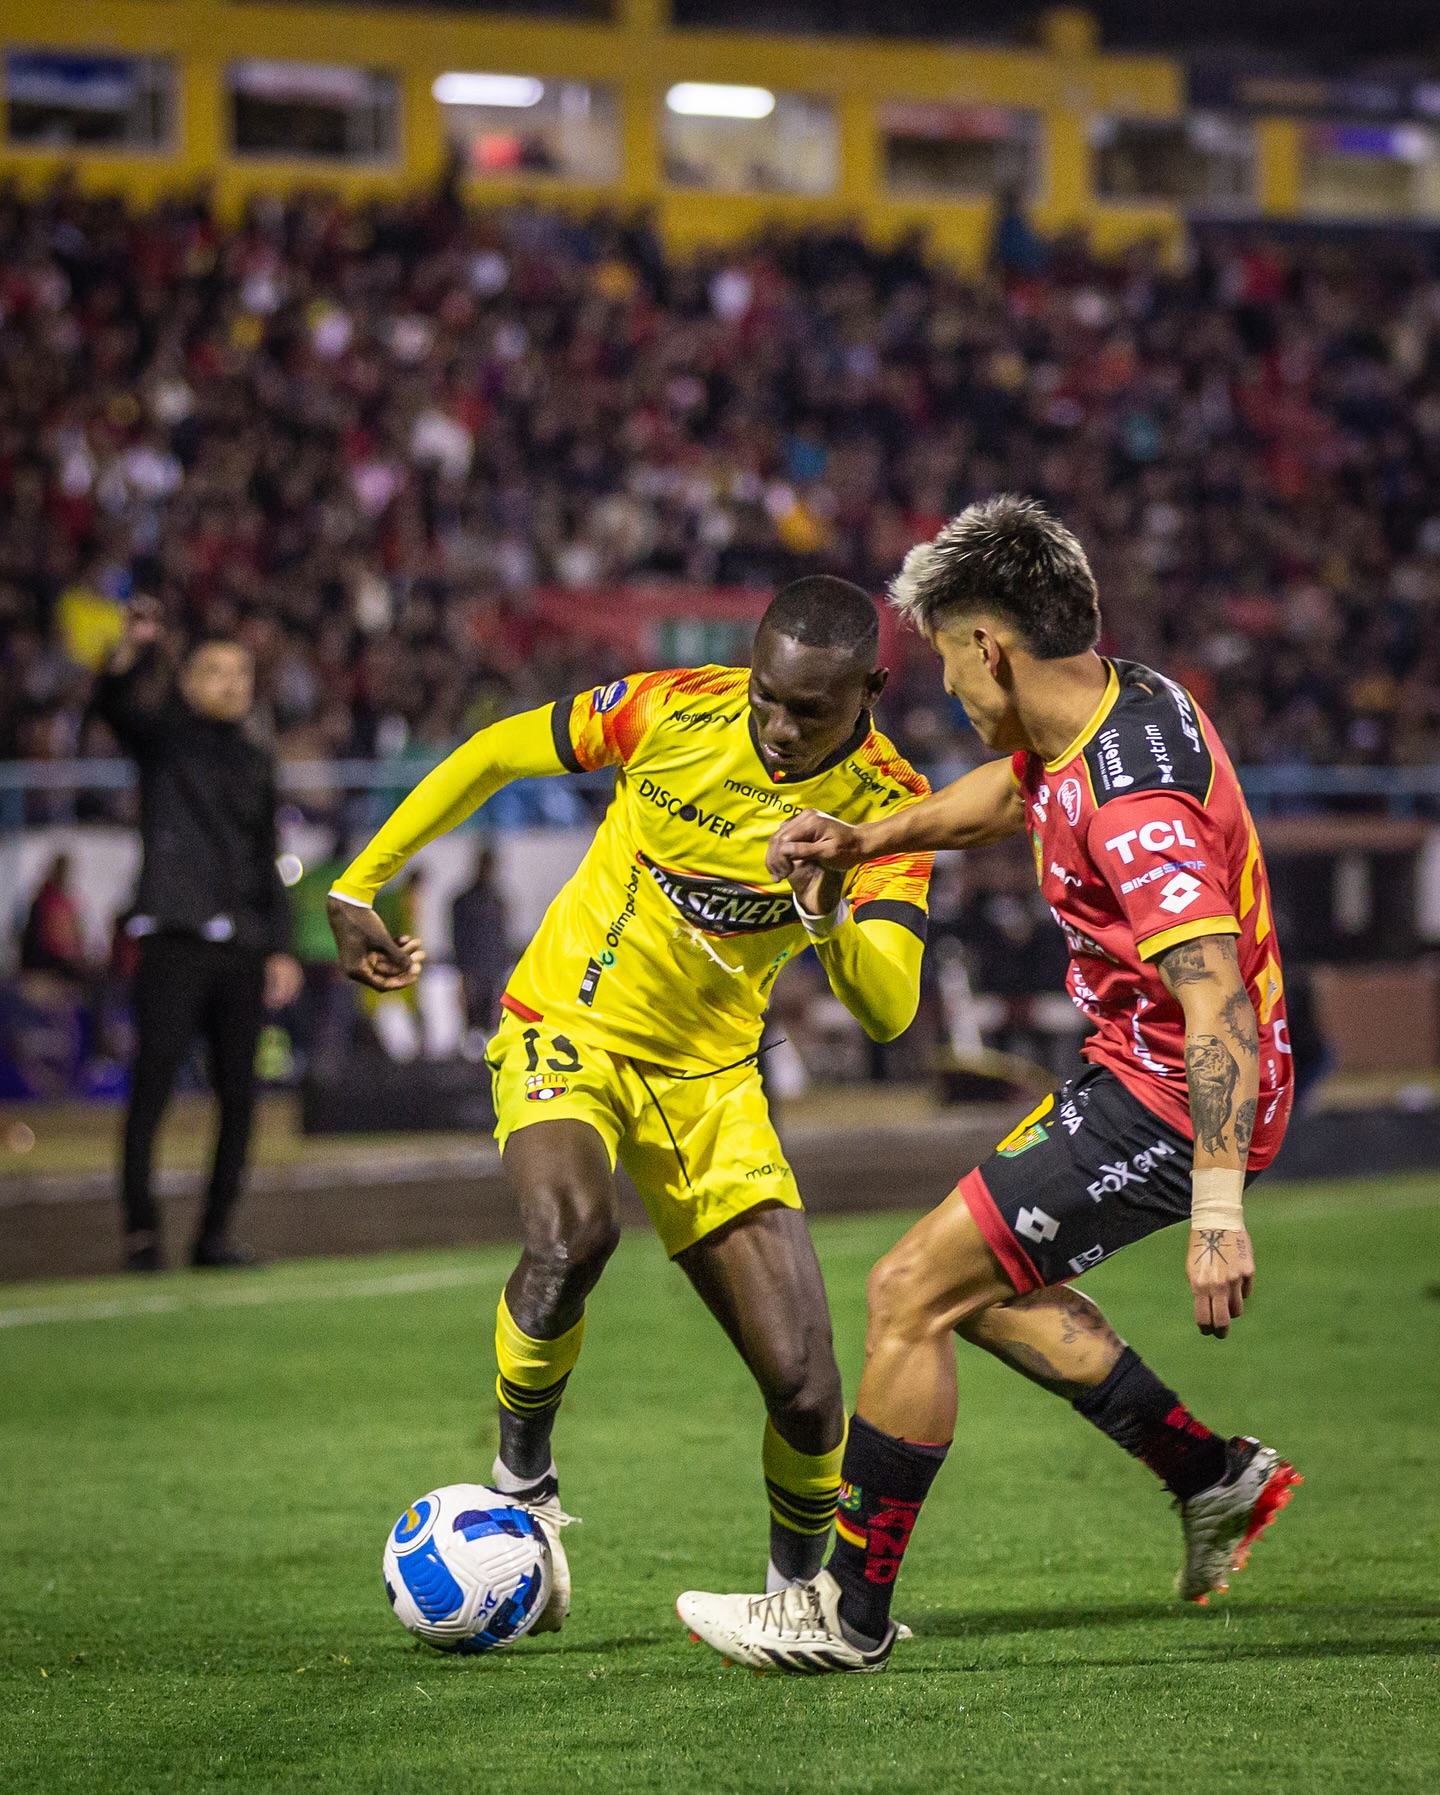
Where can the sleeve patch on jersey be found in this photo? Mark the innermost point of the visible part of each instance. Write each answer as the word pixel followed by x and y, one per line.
pixel 909 916
pixel 605 698
pixel 1155 945
pixel 1151 741
pixel 560 714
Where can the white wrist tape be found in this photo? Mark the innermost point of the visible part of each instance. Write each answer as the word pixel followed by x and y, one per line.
pixel 821 928
pixel 340 897
pixel 1217 1198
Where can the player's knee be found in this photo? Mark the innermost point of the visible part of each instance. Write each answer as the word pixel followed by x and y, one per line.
pixel 802 1384
pixel 575 1236
pixel 894 1294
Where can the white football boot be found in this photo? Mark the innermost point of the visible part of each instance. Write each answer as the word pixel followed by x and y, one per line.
pixel 1222 1523
pixel 795 1629
pixel 547 1511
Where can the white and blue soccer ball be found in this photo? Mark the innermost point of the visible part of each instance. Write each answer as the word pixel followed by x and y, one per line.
pixel 466 1569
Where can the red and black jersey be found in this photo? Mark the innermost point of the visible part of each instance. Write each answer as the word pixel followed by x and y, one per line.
pixel 1142 840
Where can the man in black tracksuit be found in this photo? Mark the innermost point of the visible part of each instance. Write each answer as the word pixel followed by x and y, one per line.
pixel 210 912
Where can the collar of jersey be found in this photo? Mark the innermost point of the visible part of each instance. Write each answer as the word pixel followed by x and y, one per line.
pixel 1097 717
pixel 843 752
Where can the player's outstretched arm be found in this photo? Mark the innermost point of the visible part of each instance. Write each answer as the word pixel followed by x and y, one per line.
pixel 981 807
pixel 520 747
pixel 1222 1066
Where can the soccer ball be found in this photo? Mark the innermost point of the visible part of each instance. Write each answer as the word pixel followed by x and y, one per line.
pixel 466 1569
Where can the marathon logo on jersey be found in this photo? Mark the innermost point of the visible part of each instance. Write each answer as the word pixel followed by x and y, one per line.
pixel 721 906
pixel 605 698
pixel 1160 753
pixel 1070 798
pixel 1154 838
pixel 685 810
pixel 591 980
pixel 1111 762
pixel 770 800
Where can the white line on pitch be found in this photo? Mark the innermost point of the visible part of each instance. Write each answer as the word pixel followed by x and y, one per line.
pixel 245 1297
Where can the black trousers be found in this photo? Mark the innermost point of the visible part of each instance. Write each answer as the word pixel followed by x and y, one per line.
pixel 184 987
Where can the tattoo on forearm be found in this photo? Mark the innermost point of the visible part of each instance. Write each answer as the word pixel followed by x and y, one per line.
pixel 1212 1073
pixel 1185 965
pixel 1212 1246
pixel 1244 1127
pixel 1239 1015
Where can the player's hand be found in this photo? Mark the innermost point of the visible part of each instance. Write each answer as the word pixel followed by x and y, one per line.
pixel 813 840
pixel 1221 1269
pixel 369 953
pixel 283 979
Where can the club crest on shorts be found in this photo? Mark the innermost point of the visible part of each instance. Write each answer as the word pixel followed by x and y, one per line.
pixel 544 1087
pixel 1027 1133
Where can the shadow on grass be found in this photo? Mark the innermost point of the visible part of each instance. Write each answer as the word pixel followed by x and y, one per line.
pixel 1006 1622
pixel 1293 1651
pixel 626 1642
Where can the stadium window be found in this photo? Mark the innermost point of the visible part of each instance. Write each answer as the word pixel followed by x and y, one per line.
pixel 730 139
pixel 68 100
pixel 935 150
pixel 518 124
pixel 314 111
pixel 1203 161
pixel 1370 171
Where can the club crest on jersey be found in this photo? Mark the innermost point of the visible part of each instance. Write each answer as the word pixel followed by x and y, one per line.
pixel 605 698
pixel 545 1087
pixel 1070 800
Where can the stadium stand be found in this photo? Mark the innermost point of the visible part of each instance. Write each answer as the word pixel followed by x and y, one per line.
pixel 367 436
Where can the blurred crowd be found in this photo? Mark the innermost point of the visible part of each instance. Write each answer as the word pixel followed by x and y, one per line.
pixel 363 439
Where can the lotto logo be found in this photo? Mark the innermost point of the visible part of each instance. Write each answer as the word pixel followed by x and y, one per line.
pixel 1035 1225
pixel 1180 893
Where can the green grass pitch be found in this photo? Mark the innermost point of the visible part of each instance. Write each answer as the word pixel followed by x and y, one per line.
pixel 198 1475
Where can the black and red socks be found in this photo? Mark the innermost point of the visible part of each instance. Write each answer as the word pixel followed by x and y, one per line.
pixel 883 1482
pixel 1149 1420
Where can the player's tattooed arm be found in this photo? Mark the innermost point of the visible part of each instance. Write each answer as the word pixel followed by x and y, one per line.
pixel 1212 1074
pixel 1222 1045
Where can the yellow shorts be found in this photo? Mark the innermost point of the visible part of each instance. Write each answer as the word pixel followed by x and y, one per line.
pixel 700 1150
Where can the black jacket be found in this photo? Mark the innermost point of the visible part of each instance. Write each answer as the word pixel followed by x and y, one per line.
pixel 207 817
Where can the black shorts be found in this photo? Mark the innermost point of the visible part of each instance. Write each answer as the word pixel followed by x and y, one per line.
pixel 1088 1172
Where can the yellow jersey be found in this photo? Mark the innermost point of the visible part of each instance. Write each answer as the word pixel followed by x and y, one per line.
pixel 667 941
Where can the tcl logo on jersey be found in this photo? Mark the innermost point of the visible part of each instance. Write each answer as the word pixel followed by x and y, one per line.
pixel 1070 800
pixel 1155 838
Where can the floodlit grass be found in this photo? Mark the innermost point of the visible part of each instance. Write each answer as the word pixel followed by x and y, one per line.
pixel 198 1495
